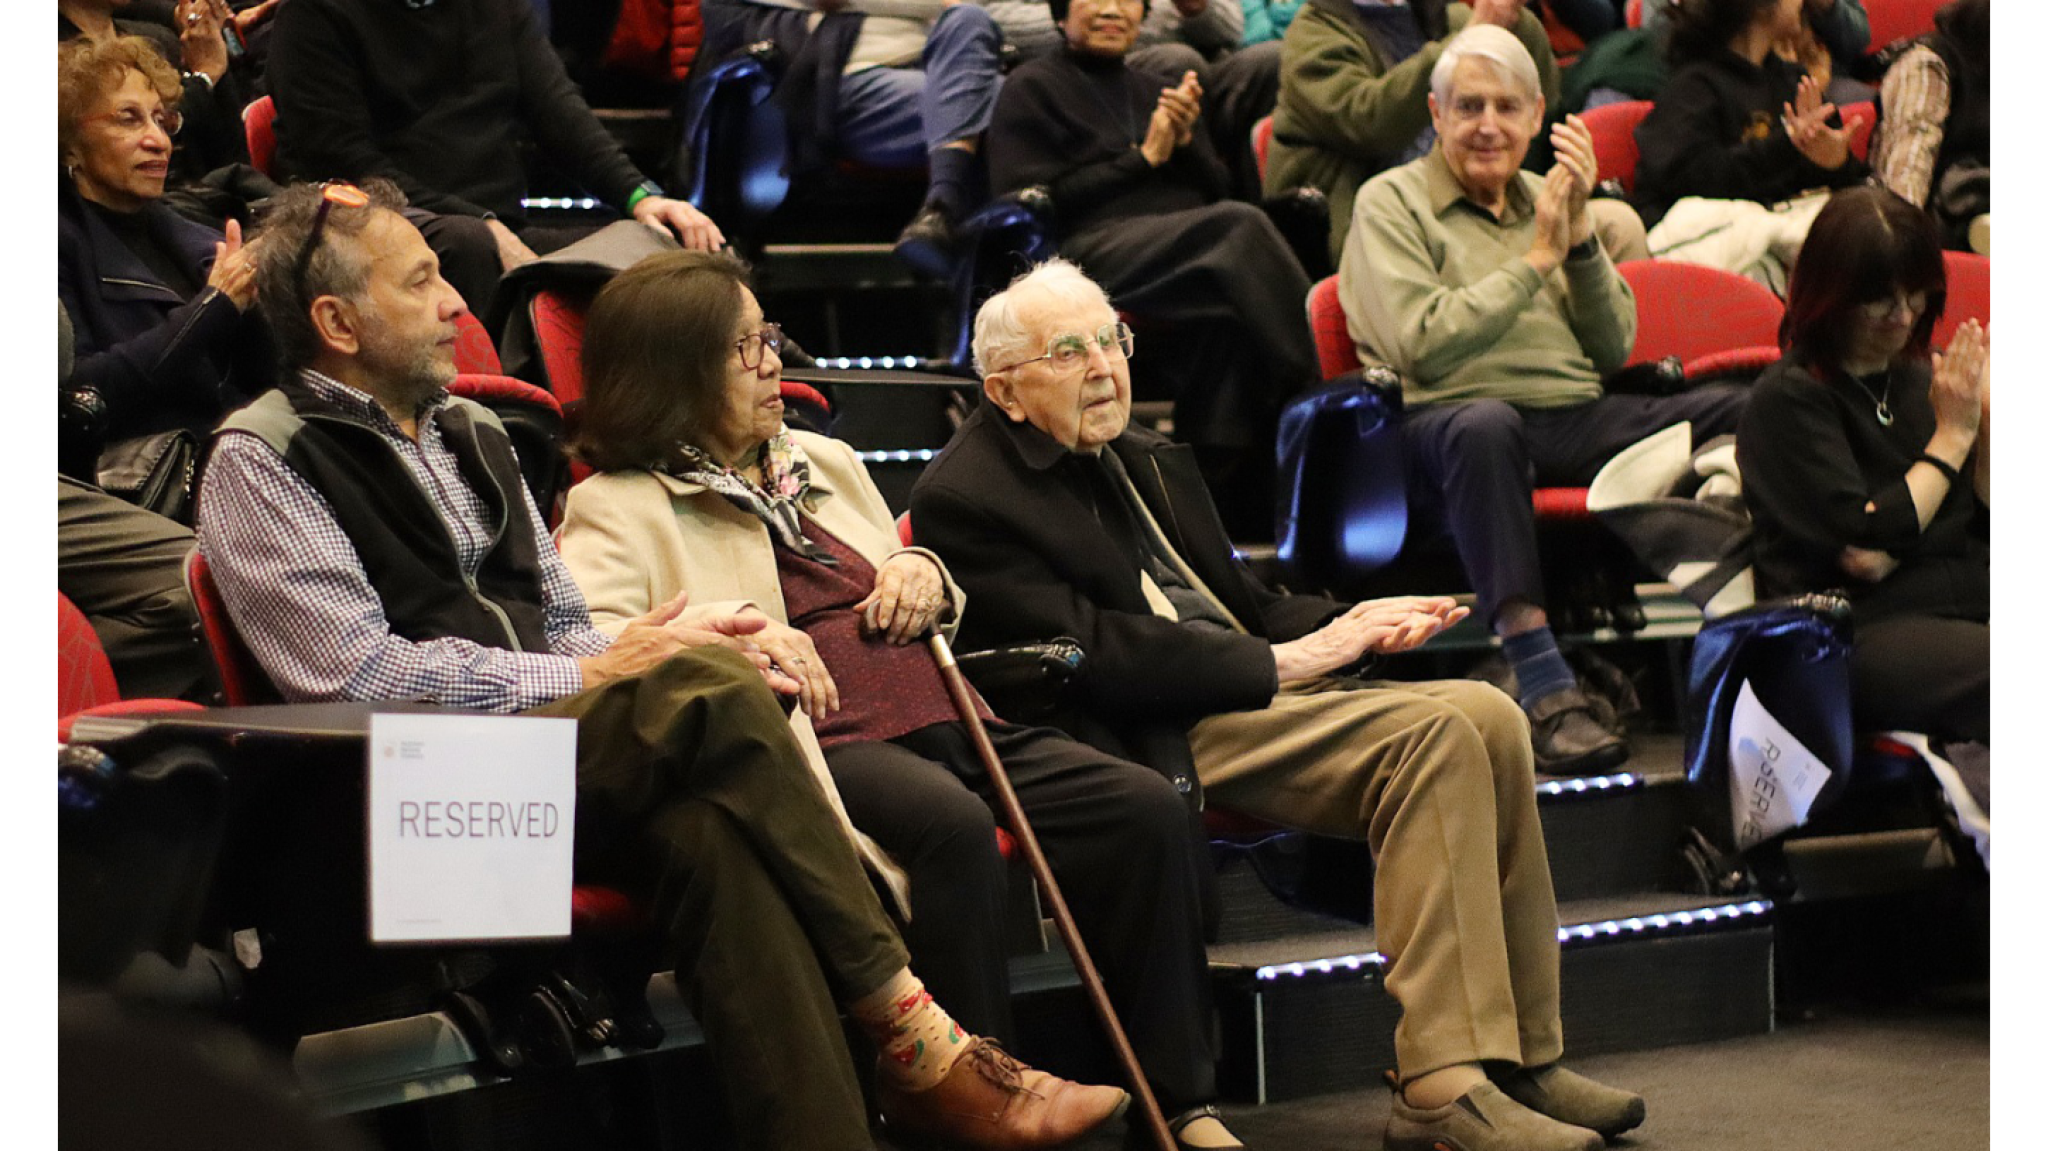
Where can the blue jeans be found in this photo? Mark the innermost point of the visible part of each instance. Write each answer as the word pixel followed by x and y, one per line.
pixel 893 117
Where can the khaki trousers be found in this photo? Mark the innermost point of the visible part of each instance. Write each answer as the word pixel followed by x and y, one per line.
pixel 1438 779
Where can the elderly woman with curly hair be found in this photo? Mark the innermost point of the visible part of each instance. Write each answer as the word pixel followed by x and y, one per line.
pixel 161 305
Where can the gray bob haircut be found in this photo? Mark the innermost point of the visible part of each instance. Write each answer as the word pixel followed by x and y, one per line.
pixel 999 329
pixel 1496 46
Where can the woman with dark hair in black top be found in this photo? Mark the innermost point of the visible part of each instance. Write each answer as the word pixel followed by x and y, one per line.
pixel 1866 465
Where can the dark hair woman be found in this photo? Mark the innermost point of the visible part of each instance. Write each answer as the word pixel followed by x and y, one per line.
pixel 160 304
pixel 1866 465
pixel 1737 121
pixel 705 491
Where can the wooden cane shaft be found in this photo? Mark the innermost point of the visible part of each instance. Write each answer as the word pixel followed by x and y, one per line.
pixel 1041 870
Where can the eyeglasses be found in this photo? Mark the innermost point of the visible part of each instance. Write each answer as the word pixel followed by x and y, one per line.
pixel 331 194
pixel 133 121
pixel 1069 350
pixel 750 345
pixel 1469 108
pixel 1913 302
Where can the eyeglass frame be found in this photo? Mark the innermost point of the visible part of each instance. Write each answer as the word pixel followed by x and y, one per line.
pixel 1888 305
pixel 1115 334
pixel 331 193
pixel 766 338
pixel 170 121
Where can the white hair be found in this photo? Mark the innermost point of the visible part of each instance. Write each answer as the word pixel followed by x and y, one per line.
pixel 1493 44
pixel 999 329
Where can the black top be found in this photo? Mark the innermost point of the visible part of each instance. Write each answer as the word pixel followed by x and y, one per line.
pixel 1813 454
pixel 1718 131
pixel 161 257
pixel 440 99
pixel 1073 123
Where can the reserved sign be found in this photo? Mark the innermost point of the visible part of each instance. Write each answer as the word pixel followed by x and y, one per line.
pixel 471 826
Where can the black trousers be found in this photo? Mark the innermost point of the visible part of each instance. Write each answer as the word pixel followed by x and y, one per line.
pixel 1119 841
pixel 1923 673
pixel 1476 463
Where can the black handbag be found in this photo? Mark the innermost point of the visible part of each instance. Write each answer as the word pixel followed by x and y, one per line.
pixel 153 472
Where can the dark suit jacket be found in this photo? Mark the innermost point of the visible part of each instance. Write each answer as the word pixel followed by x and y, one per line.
pixel 1012 514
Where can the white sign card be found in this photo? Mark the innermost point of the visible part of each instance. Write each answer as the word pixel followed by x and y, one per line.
pixel 1772 778
pixel 471 827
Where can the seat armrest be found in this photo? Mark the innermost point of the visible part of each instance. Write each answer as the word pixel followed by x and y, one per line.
pixel 1027 682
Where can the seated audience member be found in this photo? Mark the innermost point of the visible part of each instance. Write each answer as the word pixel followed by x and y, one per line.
pixel 374 541
pixel 895 84
pixel 1489 290
pixel 706 492
pixel 1933 143
pixel 1736 123
pixel 1239 77
pixel 440 99
pixel 1140 201
pixel 1588 19
pixel 124 568
pixel 193 44
pixel 1832 36
pixel 1354 91
pixel 1267 19
pixel 1059 519
pixel 1866 465
pixel 160 304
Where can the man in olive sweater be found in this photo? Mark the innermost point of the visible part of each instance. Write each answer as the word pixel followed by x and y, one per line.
pixel 1491 293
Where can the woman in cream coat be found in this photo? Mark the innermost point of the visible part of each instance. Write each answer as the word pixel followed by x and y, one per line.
pixel 703 489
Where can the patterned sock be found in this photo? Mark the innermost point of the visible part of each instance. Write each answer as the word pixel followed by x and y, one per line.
pixel 919 1041
pixel 1540 668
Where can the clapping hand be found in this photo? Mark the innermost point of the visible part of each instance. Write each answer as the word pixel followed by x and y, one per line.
pixel 1173 120
pixel 1573 143
pixel 1806 124
pixel 234 269
pixel 1962 376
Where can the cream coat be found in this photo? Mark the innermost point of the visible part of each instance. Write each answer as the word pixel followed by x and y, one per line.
pixel 635 539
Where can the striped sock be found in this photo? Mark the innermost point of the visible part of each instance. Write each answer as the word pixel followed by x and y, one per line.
pixel 1540 668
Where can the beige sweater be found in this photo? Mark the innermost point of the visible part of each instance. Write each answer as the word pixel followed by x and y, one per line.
pixel 635 539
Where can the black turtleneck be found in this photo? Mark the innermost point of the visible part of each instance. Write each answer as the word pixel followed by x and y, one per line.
pixel 1073 123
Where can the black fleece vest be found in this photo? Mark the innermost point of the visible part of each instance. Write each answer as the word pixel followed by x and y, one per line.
pixel 404 544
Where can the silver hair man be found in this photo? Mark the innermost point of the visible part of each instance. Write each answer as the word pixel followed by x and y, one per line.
pixel 999 327
pixel 1494 45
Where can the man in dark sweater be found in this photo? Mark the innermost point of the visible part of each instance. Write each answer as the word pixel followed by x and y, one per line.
pixel 440 97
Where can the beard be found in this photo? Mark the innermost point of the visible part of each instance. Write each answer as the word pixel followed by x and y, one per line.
pixel 407 374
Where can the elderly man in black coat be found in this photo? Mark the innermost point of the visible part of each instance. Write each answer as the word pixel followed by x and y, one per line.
pixel 1059 519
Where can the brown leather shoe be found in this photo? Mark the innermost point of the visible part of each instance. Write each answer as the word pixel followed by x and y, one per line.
pixel 991 1102
pixel 1569 740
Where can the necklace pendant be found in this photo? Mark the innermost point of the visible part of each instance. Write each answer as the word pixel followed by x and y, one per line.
pixel 1884 414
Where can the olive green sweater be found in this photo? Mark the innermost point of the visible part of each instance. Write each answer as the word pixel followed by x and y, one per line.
pixel 1440 289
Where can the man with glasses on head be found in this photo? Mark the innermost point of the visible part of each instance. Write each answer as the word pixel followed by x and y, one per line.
pixel 374 540
pixel 1493 295
pixel 1059 519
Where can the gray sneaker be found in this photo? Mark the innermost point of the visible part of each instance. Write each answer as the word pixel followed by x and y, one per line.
pixel 1570 1097
pixel 1482 1119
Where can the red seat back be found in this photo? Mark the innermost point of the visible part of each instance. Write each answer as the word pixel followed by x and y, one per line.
pixel 242 679
pixel 474 352
pixel 1690 310
pixel 1633 13
pixel 1262 142
pixel 259 125
pixel 558 329
pixel 84 677
pixel 1861 120
pixel 1899 19
pixel 1969 295
pixel 1334 349
pixel 1614 138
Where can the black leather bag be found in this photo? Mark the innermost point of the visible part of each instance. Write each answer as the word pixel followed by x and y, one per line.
pixel 153 472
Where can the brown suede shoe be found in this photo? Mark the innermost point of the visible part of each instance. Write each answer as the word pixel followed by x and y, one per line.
pixel 1568 740
pixel 991 1102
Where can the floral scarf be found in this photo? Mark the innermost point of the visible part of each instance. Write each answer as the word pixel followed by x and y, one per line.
pixel 785 481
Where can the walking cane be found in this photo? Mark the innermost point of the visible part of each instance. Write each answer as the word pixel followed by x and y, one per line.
pixel 1013 812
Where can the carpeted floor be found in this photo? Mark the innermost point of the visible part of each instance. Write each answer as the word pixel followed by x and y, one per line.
pixel 1912 1078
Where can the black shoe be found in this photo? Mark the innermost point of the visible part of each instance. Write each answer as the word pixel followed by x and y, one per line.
pixel 1569 738
pixel 928 243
